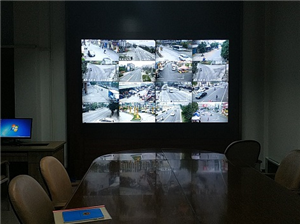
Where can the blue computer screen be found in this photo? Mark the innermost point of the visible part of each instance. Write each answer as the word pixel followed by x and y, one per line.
pixel 16 128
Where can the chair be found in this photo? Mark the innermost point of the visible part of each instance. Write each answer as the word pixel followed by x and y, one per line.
pixel 4 185
pixel 30 201
pixel 288 172
pixel 244 153
pixel 4 172
pixel 57 181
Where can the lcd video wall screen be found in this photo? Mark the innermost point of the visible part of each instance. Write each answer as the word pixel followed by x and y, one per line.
pixel 155 81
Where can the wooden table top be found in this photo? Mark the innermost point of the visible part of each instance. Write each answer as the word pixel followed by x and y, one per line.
pixel 166 186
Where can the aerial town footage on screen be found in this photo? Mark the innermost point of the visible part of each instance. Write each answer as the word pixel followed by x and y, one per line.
pixel 154 81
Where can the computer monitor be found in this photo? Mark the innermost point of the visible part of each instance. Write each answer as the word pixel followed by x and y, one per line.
pixel 15 129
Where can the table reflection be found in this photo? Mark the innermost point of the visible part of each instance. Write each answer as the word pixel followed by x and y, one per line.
pixel 158 187
pixel 168 186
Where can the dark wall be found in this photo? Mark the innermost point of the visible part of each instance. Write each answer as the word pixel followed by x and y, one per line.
pixel 148 20
pixel 7 61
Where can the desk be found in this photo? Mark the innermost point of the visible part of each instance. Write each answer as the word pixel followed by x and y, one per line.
pixel 166 186
pixel 32 155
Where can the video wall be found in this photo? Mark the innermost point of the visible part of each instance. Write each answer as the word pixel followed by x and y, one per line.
pixel 155 81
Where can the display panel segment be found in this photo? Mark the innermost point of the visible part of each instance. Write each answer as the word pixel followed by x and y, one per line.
pixel 155 81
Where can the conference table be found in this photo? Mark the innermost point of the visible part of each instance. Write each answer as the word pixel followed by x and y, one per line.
pixel 174 186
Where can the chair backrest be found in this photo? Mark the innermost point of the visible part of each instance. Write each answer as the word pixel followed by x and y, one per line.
pixel 4 171
pixel 243 152
pixel 4 188
pixel 29 200
pixel 57 180
pixel 288 172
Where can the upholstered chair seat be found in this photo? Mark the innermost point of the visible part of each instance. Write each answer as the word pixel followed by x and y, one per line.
pixel 244 153
pixel 30 202
pixel 288 172
pixel 57 181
